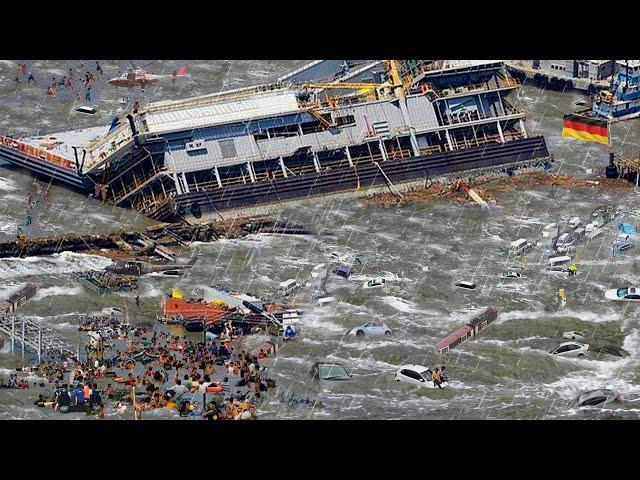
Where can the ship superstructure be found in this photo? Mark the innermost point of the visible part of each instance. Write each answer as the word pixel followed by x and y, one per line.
pixel 587 75
pixel 622 100
pixel 376 124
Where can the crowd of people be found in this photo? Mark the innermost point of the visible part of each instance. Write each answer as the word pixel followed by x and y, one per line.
pixel 147 369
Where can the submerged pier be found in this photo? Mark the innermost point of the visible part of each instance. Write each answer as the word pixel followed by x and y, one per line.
pixel 148 242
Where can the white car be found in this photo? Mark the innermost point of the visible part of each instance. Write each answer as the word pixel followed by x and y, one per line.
pixel 417 374
pixel 375 283
pixel 571 349
pixel 573 335
pixel 372 328
pixel 630 294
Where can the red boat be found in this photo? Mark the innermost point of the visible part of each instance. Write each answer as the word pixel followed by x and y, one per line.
pixel 193 309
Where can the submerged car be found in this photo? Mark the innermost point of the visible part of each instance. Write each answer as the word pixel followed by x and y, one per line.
pixel 630 294
pixel 375 283
pixel 592 398
pixel 343 271
pixel 465 284
pixel 572 335
pixel 372 328
pixel 418 375
pixel 615 351
pixel 329 372
pixel 558 271
pixel 511 274
pixel 571 349
pixel 623 243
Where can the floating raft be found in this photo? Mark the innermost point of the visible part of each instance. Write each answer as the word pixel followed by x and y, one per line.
pixel 13 301
pixel 467 331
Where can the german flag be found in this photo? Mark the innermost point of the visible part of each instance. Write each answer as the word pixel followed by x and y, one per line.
pixel 585 128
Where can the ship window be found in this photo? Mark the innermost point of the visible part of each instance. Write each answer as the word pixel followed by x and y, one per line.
pixel 228 148
pixel 346 120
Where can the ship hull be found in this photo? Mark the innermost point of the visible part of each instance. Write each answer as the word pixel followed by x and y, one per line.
pixel 363 178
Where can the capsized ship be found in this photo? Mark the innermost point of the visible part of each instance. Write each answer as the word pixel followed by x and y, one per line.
pixel 326 128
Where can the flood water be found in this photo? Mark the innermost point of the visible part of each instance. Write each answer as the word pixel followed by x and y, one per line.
pixel 420 249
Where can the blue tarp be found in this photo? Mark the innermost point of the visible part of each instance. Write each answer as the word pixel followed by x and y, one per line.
pixel 626 227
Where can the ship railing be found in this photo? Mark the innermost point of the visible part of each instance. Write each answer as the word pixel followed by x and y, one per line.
pixel 109 144
pixel 136 183
pixel 37 152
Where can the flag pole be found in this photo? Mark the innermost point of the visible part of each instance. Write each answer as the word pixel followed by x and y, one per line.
pixel 611 155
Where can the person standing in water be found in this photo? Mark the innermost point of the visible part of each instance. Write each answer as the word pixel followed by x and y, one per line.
pixel 436 378
pixel 137 300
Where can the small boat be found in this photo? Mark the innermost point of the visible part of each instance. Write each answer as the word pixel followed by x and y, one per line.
pixel 375 283
pixel 465 284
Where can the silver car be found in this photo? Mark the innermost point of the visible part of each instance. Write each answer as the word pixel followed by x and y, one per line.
pixel 571 349
pixel 372 328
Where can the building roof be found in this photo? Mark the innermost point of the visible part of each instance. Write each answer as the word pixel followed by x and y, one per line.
pixel 260 105
pixel 453 336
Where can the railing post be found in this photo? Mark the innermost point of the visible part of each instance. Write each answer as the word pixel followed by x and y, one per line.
pixel 23 339
pixel 39 343
pixel 349 156
pixel 13 333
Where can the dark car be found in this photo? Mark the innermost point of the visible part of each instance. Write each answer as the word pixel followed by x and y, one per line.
pixel 615 351
pixel 329 372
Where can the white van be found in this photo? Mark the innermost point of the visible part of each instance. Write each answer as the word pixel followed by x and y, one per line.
pixel 288 287
pixel 553 261
pixel 520 246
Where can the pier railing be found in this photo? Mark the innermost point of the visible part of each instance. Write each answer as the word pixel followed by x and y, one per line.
pixel 34 335
pixel 37 152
